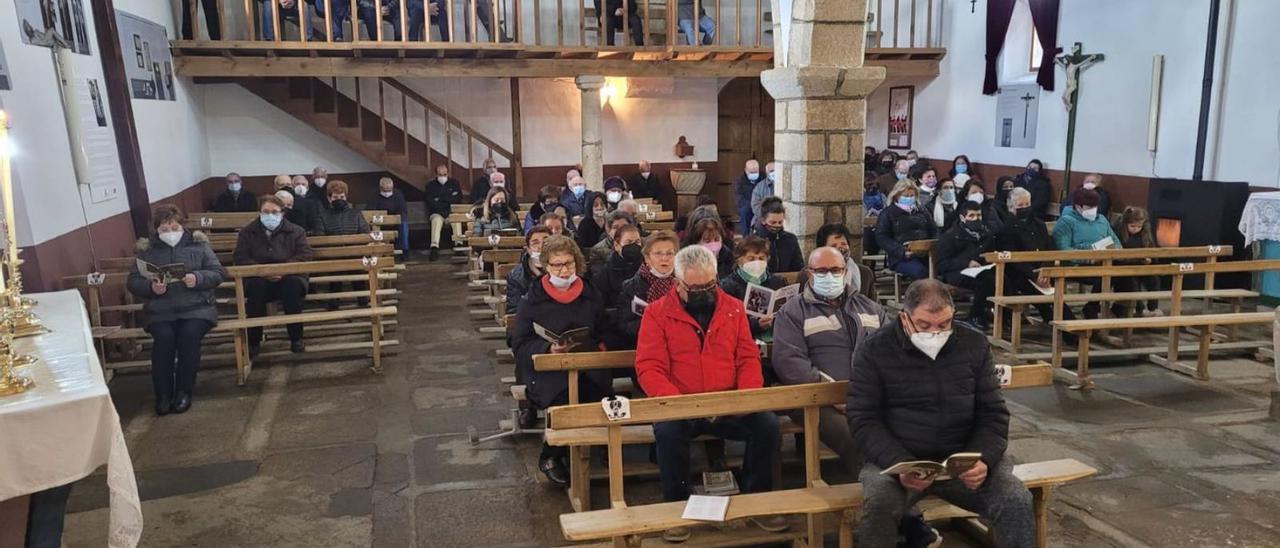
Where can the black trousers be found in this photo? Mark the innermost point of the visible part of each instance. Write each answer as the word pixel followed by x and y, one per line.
pixel 614 24
pixel 45 517
pixel 1017 283
pixel 983 287
pixel 175 355
pixel 588 392
pixel 210 19
pixel 289 290
pixel 1138 283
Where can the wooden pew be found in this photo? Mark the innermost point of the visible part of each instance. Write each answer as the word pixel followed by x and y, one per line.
pixel 220 222
pixel 1105 258
pixel 374 312
pixel 626 524
pixel 1173 322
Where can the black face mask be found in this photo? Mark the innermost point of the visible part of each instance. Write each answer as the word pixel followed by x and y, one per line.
pixel 338 205
pixel 548 206
pixel 1023 213
pixel 974 226
pixel 701 301
pixel 500 208
pixel 631 253
pixel 773 229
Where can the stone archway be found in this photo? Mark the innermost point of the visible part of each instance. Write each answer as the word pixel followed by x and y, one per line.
pixel 820 88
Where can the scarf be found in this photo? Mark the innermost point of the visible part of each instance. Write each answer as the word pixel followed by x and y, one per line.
pixel 563 296
pixel 658 287
pixel 940 212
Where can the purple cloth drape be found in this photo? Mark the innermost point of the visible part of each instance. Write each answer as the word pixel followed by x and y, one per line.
pixel 999 12
pixel 1044 15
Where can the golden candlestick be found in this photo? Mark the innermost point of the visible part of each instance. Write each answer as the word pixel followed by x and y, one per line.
pixel 19 308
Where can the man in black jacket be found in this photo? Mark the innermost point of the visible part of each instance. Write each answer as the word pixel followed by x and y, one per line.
pixel 784 247
pixel 235 198
pixel 391 200
pixel 921 390
pixel 645 183
pixel 442 193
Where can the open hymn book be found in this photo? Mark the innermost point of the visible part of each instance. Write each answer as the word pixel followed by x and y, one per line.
pixel 169 273
pixel 955 465
pixel 572 338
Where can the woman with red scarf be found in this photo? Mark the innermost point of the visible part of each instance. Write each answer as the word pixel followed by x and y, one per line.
pixel 558 302
pixel 651 282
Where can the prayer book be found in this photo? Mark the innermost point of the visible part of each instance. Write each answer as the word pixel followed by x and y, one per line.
pixel 974 271
pixel 572 338
pixel 638 305
pixel 761 301
pixel 168 274
pixel 706 508
pixel 955 465
pixel 719 483
pixel 1105 243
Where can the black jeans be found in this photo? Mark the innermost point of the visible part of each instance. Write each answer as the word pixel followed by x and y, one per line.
pixel 588 392
pixel 613 23
pixel 289 290
pixel 45 517
pixel 210 19
pixel 983 286
pixel 1092 308
pixel 175 355
pixel 1137 283
pixel 759 430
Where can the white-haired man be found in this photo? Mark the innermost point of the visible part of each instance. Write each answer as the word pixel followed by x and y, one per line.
pixel 696 339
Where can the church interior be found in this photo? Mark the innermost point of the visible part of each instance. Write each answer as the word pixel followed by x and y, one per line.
pixel 534 273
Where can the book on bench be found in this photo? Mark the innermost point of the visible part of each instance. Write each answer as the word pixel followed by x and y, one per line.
pixel 169 273
pixel 955 465
pixel 580 336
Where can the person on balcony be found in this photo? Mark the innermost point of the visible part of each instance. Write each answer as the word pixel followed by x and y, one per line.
pixel 484 15
pixel 211 20
pixel 288 10
pixel 611 20
pixel 704 22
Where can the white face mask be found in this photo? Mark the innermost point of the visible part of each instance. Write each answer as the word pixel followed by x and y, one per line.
pixel 660 275
pixel 1090 185
pixel 171 238
pixel 613 196
pixel 535 257
pixel 600 212
pixel 234 187
pixel 1089 214
pixel 644 174
pixel 498 184
pixel 386 193
pixel 931 343
pixel 300 190
pixel 563 283
pixel 320 181
pixel 755 268
pixel 977 198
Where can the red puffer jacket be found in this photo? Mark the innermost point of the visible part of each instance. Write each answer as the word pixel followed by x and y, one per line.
pixel 672 358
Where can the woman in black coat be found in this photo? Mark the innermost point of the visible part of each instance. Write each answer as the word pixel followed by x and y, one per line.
pixel 560 301
pixel 903 221
pixel 652 281
pixel 751 265
pixel 1022 231
pixel 523 276
pixel 961 248
pixel 178 313
pixel 974 192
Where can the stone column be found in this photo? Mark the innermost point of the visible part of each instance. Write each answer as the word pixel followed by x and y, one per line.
pixel 820 116
pixel 592 155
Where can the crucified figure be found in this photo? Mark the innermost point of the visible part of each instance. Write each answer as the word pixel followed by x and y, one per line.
pixel 1073 64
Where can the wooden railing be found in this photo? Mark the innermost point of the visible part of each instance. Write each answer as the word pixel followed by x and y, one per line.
pixel 564 23
pixel 904 23
pixel 417 113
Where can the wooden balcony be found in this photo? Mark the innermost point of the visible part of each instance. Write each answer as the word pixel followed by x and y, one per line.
pixel 531 38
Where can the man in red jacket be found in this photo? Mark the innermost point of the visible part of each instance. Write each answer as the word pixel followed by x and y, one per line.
pixel 694 340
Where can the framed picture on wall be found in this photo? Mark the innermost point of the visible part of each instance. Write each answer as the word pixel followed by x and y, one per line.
pixel 900 106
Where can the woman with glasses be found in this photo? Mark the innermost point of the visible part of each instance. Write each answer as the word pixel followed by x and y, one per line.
pixel 558 303
pixel 650 283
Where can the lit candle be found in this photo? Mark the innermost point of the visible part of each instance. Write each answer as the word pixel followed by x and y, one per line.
pixel 6 192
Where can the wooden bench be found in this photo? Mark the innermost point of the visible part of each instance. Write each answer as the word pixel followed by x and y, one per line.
pixel 234 221
pixel 374 312
pixel 626 524
pixel 1173 322
pixel 1103 257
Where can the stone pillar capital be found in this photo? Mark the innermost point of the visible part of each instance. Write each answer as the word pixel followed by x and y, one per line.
pixel 794 82
pixel 589 83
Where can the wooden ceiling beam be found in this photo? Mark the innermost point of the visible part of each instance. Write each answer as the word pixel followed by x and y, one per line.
pixel 241 66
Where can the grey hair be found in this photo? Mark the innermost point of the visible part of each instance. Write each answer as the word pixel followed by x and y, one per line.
pixel 929 293
pixel 628 205
pixel 1017 192
pixel 694 257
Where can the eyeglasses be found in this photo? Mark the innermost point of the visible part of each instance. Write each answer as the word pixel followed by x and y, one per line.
pixel 560 265
pixel 838 271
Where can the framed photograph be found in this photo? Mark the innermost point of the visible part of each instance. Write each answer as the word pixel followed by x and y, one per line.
pixel 900 106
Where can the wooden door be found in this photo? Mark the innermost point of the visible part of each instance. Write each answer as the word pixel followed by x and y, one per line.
pixel 746 132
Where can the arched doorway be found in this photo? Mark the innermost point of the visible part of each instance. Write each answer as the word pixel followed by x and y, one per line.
pixel 745 132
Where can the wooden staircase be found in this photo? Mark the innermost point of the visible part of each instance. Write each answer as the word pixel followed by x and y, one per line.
pixel 379 135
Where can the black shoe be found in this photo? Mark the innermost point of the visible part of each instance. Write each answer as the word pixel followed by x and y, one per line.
pixel 163 405
pixel 297 347
pixel 181 403
pixel 554 469
pixel 915 533
pixel 254 350
pixel 527 418
pixel 433 254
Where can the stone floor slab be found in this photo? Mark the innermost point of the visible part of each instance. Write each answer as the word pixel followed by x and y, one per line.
pixel 487 517
pixel 1089 407
pixel 1179 449
pixel 454 460
pixel 307 431
pixel 1165 391
pixel 433 422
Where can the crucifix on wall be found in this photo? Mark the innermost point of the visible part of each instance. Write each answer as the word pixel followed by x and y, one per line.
pixel 1073 63
pixel 1026 111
